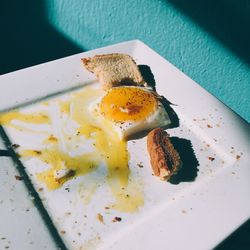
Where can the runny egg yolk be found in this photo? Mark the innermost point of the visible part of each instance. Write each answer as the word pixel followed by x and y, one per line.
pixel 128 104
pixel 108 148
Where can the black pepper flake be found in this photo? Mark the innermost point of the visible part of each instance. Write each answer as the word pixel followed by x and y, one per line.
pixel 140 165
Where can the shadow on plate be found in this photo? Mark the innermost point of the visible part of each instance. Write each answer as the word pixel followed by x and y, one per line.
pixel 31 190
pixel 148 76
pixel 4 152
pixel 189 169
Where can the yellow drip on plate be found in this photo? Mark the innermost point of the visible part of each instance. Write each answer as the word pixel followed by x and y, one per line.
pixel 34 118
pixel 107 148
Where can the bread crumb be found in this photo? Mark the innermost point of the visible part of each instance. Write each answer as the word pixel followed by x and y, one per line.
pixel 117 219
pixel 237 157
pixel 37 152
pixel 211 158
pixel 14 146
pixel 100 218
pixel 18 178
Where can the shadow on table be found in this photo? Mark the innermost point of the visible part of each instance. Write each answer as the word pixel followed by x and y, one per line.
pixel 226 20
pixel 237 240
pixel 27 38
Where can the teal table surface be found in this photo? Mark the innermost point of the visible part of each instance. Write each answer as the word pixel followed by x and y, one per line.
pixel 207 40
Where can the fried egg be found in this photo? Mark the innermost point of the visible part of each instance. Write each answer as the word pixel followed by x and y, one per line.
pixel 131 109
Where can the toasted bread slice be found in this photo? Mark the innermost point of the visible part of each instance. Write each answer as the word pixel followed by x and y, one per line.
pixel 114 70
pixel 165 160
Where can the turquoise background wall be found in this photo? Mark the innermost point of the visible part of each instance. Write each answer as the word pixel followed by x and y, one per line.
pixel 208 40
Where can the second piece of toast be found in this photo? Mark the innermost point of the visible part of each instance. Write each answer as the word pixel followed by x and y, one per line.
pixel 114 70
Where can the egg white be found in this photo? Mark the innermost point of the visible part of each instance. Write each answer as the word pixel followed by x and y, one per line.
pixel 126 129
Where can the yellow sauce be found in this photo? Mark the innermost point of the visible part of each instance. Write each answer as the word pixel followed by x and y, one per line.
pixel 34 118
pixel 58 160
pixel 65 107
pixel 50 139
pixel 108 148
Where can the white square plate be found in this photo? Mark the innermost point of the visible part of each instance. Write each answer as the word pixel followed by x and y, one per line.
pixel 206 202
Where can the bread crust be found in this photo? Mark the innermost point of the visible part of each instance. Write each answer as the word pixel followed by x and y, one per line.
pixel 165 160
pixel 114 69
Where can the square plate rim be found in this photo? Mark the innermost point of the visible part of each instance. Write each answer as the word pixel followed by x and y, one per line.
pixel 135 44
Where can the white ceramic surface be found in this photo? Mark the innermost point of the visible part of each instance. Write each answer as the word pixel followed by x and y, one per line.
pixel 193 214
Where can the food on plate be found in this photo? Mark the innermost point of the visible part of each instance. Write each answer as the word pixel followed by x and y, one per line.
pixel 114 69
pixel 88 129
pixel 165 160
pixel 131 109
pixel 74 141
